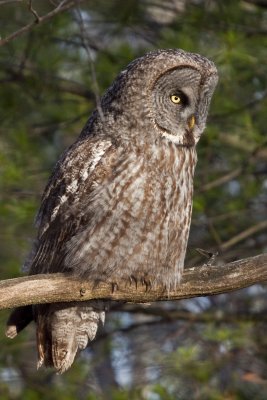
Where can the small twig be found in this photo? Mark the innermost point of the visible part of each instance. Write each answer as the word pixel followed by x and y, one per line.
pixel 234 141
pixel 254 154
pixel 34 12
pixel 220 181
pixel 93 72
pixel 214 232
pixel 209 255
pixel 2 2
pixel 21 74
pixel 60 8
pixel 241 108
pixel 244 235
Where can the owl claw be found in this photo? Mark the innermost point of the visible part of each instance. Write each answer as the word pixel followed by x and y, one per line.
pixel 147 283
pixel 133 279
pixel 114 287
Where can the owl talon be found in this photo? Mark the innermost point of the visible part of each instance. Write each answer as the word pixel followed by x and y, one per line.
pixel 147 283
pixel 114 287
pixel 133 279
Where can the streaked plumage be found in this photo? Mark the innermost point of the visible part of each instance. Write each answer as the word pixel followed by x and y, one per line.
pixel 118 204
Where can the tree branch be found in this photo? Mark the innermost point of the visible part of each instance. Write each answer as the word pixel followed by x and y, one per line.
pixel 244 235
pixel 181 315
pixel 63 6
pixel 197 281
pixel 221 180
pixel 22 74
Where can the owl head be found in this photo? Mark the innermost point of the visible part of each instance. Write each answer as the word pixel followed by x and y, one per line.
pixel 162 96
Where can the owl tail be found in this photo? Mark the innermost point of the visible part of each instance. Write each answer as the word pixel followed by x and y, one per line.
pixel 63 329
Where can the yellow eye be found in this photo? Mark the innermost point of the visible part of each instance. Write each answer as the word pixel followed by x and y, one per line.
pixel 175 99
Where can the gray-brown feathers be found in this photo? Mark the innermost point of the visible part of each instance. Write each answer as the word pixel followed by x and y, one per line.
pixel 65 328
pixel 118 204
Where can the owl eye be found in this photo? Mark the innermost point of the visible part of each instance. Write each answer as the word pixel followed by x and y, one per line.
pixel 175 99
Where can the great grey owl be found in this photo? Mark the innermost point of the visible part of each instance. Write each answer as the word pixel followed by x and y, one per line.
pixel 118 204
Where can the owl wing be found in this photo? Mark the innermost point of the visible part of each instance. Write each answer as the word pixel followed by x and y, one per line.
pixel 82 170
pixel 85 166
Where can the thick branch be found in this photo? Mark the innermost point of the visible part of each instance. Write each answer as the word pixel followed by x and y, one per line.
pixel 197 281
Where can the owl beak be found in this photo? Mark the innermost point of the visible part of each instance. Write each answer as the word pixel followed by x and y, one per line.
pixel 191 122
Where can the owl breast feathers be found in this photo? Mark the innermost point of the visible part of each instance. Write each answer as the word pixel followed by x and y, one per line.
pixel 118 204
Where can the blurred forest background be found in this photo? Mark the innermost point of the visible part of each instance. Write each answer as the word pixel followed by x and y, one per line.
pixel 50 73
